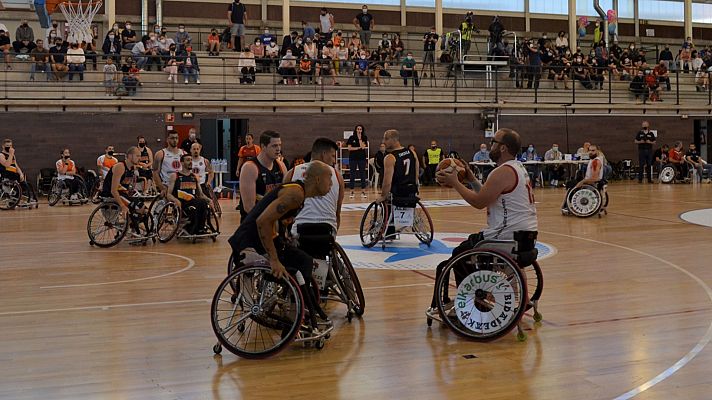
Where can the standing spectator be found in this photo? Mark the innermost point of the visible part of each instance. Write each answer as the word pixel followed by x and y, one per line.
pixel 40 61
pixel 326 21
pixel 378 163
pixel 112 46
pixel 554 172
pixel 57 56
pixel 110 76
pixel 467 29
pixel 645 139
pixel 128 37
pixel 408 70
pixel 307 30
pixel 365 23
pixel 288 68
pixel 183 38
pixel 5 47
pixel 666 57
pixel 188 142
pixel 139 51
pixel 237 19
pixel 357 145
pixel 272 54
pixel 430 41
pixel 75 61
pixel 214 43
pixel 433 156
pixel 662 74
pixel 534 57
pixel 24 38
pixel 249 151
pixel 189 66
pixel 496 31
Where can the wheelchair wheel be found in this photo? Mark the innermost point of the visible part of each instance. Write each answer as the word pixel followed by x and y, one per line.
pixel 10 194
pixel 423 225
pixel 95 195
pixel 264 316
pixel 167 222
pixel 213 223
pixel 55 192
pixel 107 226
pixel 584 201
pixel 491 298
pixel 373 224
pixel 347 280
pixel 535 282
pixel 667 174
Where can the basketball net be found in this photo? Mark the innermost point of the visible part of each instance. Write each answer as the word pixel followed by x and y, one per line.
pixel 79 16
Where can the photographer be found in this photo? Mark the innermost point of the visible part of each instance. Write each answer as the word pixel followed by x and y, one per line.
pixel 430 40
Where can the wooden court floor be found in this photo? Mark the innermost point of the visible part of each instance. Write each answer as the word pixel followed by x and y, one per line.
pixel 627 311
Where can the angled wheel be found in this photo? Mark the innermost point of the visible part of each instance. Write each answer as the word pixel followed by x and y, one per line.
pixel 347 280
pixel 167 222
pixel 264 317
pixel 55 192
pixel 373 224
pixel 535 282
pixel 490 298
pixel 213 222
pixel 10 194
pixel 423 224
pixel 584 202
pixel 667 174
pixel 107 226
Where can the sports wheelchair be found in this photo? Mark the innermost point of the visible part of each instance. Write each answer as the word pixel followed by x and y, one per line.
pixel 12 194
pixel 497 281
pixel 107 226
pixel 60 191
pixel 397 215
pixel 587 201
pixel 172 222
pixel 255 315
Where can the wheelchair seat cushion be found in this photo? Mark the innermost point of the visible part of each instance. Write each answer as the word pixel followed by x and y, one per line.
pixel 317 240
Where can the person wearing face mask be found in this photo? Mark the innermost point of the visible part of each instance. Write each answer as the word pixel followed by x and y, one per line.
pixel 562 42
pixel 258 51
pixel 554 172
pixel 531 156
pixel 183 38
pixel 66 171
pixel 645 139
pixel 128 36
pixel 354 42
pixel 272 55
pixel 310 48
pixel 507 196
pixel 432 158
pixel 106 161
pixel 593 176
pixel 75 61
pixel 144 164
pixel 306 69
pixel 189 65
pixel 326 22
pixel 165 43
pixel 361 67
pixel 237 19
pixel 298 47
pixel 213 43
pixel 430 41
pixel 266 37
pixel 341 59
pixel 58 56
pixel 288 68
pixel 581 73
pixel 288 43
pixel 408 70
pixel 112 46
pixel 365 23
pixel 5 47
pixel 24 38
pixel 482 158
pixel 667 58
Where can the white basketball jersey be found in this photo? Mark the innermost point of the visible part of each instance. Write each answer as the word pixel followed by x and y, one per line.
pixel 589 169
pixel 200 169
pixel 513 211
pixel 170 164
pixel 317 209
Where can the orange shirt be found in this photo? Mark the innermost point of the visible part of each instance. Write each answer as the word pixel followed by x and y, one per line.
pixel 249 152
pixel 675 155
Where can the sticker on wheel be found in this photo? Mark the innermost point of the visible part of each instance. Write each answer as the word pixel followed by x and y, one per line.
pixel 485 302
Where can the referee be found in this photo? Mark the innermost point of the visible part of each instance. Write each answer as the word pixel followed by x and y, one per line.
pixel 645 139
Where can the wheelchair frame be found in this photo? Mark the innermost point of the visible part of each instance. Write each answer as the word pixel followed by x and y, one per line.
pixel 384 212
pixel 59 191
pixel 578 201
pixel 11 195
pixel 153 220
pixel 166 215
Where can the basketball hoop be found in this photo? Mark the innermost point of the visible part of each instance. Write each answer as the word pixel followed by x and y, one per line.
pixel 79 16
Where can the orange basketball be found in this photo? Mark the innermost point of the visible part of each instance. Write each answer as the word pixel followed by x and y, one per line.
pixel 453 163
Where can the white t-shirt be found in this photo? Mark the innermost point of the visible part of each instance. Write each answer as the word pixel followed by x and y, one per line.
pixel 589 168
pixel 170 165
pixel 200 169
pixel 317 210
pixel 513 211
pixel 71 167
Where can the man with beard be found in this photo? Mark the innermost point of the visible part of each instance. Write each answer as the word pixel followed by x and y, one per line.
pixel 507 196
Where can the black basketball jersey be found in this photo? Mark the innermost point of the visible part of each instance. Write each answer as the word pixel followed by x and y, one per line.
pixel 186 187
pixel 266 181
pixel 405 176
pixel 126 184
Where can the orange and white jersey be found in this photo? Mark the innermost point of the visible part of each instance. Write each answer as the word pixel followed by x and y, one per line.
pixel 513 210
pixel 200 169
pixel 595 163
pixel 70 168
pixel 106 162
pixel 170 165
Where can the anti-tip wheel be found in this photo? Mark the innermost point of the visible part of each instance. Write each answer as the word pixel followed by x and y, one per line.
pixel 319 344
pixel 217 349
pixel 349 316
pixel 521 336
pixel 429 321
pixel 538 317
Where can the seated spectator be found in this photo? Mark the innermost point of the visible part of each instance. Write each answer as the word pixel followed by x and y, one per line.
pixel 377 69
pixel 384 48
pixel 213 43
pixel 183 38
pixel 685 58
pixel 110 76
pixel 189 65
pixel 666 57
pixel 627 71
pixel 580 72
pixel 170 54
pixel 696 61
pixel 139 52
pixel 267 38
pixel 5 47
pixel 153 53
pixel 130 82
pixel 258 52
pixel 532 169
pixel 361 66
pixel 651 81
pixel 165 43
pixel 325 67
pixel 597 69
pixel 341 58
pixel 40 61
pixel 288 68
pixel 397 48
pixel 171 69
pixel 90 52
pixel 662 74
pixel 75 61
pixel 135 72
pixel 408 70
pixel 638 87
pixel 57 56
pixel 554 173
pixel 483 156
pixel 355 41
pixel 692 156
pixel 677 159
pixel 246 65
pixel 338 39
pixel 272 55
pixel 311 49
pixel 24 39
pixel 306 68
pixel 112 46
pixel 128 37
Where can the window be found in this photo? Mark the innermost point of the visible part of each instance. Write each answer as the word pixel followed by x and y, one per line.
pixel 488 5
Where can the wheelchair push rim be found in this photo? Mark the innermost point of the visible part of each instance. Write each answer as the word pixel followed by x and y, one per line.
pixel 491 299
pixel 261 317
pixel 55 192
pixel 584 202
pixel 348 282
pixel 423 225
pixel 107 226
pixel 373 224
pixel 167 222
pixel 667 174
pixel 10 194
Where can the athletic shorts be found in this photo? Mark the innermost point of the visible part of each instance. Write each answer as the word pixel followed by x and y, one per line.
pixel 237 30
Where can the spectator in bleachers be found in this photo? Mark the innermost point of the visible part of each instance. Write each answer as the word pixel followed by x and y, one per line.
pixel 329 50
pixel 365 23
pixel 128 37
pixel 57 55
pixel 560 69
pixel 170 57
pixel 130 82
pixel 384 47
pixel 171 68
pixel 267 37
pixel 597 69
pixel 189 65
pixel 298 47
pixel 306 69
pixel 355 42
pixel 320 42
pixel 638 87
pixel 307 30
pixel 467 30
pixel 183 38
pixel 165 43
pixel 89 53
pixel 24 38
pixel 554 173
pixel 51 36
pixel 662 74
pixel 287 42
pixel 310 48
pixel 110 76
pixel 377 69
pixel 153 52
pixel 338 38
pixel 325 68
pixel 666 57
pixel 397 48
pixel 139 52
pixel 562 43
pixel 246 65
pixel 5 47
pixel 258 53
pixel 580 72
pixel 326 21
pixel 685 57
pixel 651 81
pixel 341 60
pixel 40 61
pixel 237 19
pixel 75 61
pixel 496 31
pixel 430 41
pixel 288 68
pixel 112 46
pixel 408 70
pixel 361 66
pixel 272 54
pixel 214 43
pixel 534 66
pixel 135 72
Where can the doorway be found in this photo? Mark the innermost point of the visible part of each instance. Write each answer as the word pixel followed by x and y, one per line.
pixel 222 138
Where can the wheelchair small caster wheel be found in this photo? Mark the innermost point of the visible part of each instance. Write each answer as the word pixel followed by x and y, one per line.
pixel 217 349
pixel 214 239
pixel 319 344
pixel 91 243
pixel 538 317
pixel 154 240
pixel 327 336
pixel 521 336
pixel 349 316
pixel 429 321
pixel 195 240
pixel 383 246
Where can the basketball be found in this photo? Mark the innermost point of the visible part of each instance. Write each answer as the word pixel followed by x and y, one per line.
pixel 450 163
